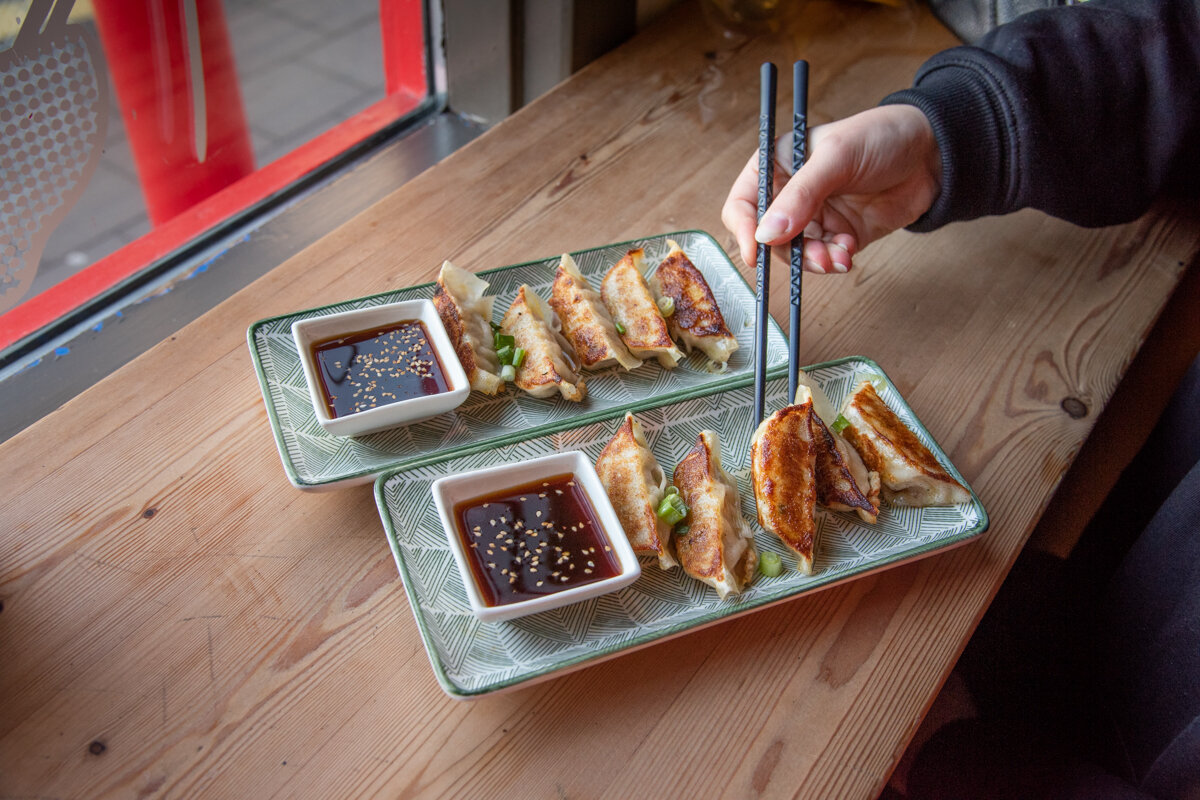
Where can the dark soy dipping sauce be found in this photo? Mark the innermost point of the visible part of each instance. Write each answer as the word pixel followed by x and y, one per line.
pixel 533 540
pixel 376 367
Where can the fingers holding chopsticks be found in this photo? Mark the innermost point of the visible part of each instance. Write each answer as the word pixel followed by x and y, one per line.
pixel 825 250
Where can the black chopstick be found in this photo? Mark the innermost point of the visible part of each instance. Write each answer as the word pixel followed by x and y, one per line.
pixel 766 180
pixel 799 153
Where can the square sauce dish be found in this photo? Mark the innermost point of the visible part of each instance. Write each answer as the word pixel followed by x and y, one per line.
pixel 381 367
pixel 533 536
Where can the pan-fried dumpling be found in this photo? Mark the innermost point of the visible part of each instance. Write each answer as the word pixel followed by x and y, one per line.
pixel 586 322
pixel 548 367
pixel 717 546
pixel 635 484
pixel 466 313
pixel 696 320
pixel 843 481
pixel 634 312
pixel 783 462
pixel 910 475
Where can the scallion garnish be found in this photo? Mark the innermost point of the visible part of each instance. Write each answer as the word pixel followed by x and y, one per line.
pixel 672 509
pixel 666 306
pixel 770 564
pixel 620 328
pixel 840 424
pixel 508 373
pixel 518 357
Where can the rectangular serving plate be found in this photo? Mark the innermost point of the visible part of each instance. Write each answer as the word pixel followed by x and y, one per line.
pixel 316 460
pixel 471 659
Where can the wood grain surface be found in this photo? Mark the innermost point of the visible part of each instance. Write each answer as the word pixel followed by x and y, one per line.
pixel 177 620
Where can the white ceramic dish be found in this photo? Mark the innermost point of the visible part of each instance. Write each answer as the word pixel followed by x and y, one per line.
pixel 306 332
pixel 451 490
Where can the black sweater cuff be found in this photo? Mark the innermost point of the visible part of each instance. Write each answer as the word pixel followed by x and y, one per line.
pixel 972 134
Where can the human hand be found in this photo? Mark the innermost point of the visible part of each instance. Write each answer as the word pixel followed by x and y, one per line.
pixel 865 176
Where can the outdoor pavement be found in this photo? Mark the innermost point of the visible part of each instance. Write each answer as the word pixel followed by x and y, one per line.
pixel 303 66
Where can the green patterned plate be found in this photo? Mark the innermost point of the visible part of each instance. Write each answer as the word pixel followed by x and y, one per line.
pixel 471 658
pixel 313 459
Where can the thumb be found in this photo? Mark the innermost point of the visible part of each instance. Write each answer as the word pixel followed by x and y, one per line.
pixel 801 197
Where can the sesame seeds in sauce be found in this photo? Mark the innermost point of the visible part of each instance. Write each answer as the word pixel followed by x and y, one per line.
pixel 547 539
pixel 376 367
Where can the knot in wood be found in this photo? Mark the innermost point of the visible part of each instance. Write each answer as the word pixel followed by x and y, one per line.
pixel 1075 408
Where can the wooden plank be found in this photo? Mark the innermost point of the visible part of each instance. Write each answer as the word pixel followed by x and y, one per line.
pixel 177 620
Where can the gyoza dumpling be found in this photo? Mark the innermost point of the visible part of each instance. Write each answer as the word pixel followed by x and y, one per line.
pixel 635 484
pixel 634 312
pixel 467 315
pixel 697 320
pixel 718 546
pixel 585 321
pixel 843 481
pixel 548 367
pixel 911 476
pixel 783 462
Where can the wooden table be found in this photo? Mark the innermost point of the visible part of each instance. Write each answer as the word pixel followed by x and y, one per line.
pixel 177 620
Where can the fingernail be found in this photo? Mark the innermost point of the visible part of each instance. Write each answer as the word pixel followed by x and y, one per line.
pixel 841 247
pixel 771 227
pixel 837 267
pixel 812 266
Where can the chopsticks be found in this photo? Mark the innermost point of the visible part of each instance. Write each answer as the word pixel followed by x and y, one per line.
pixel 766 176
pixel 799 153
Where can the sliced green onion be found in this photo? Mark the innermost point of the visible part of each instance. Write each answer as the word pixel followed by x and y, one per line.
pixel 683 530
pixel 770 564
pixel 504 340
pixel 505 354
pixel 508 373
pixel 666 306
pixel 495 329
pixel 672 509
pixel 672 490
pixel 620 328
pixel 518 357
pixel 840 424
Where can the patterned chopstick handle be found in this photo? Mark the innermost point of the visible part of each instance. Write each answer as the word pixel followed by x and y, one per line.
pixel 766 183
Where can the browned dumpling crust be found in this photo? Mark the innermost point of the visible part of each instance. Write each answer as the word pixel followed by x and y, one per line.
pixel 843 481
pixel 909 473
pixel 718 547
pixel 546 368
pixel 697 320
pixel 783 460
pixel 586 321
pixel 466 312
pixel 635 484
pixel 635 313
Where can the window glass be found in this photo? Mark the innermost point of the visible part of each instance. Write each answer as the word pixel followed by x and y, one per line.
pixel 127 130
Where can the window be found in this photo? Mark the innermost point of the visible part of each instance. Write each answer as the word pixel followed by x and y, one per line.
pixel 131 131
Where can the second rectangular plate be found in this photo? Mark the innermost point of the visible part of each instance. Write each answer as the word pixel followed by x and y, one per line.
pixel 471 658
pixel 313 459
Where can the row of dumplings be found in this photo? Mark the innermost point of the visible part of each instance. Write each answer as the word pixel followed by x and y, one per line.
pixel 798 462
pixel 628 320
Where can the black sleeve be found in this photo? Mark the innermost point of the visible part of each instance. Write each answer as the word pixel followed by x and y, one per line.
pixel 1087 112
